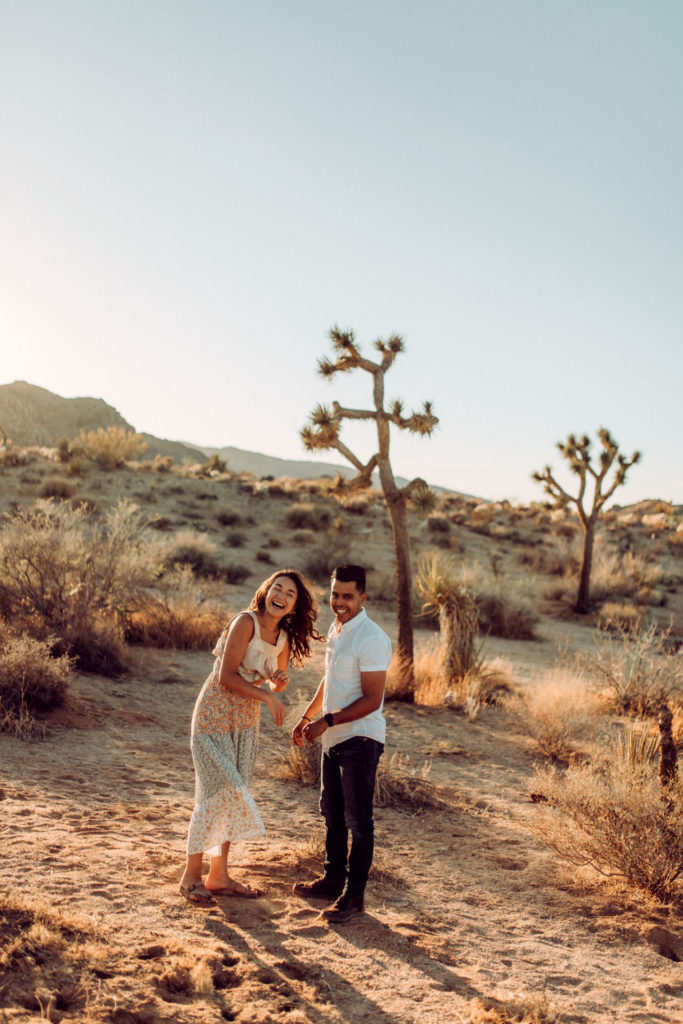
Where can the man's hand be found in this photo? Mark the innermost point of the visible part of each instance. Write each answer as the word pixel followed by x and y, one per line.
pixel 298 732
pixel 315 729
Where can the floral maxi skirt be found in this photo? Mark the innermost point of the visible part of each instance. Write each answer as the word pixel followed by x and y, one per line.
pixel 224 808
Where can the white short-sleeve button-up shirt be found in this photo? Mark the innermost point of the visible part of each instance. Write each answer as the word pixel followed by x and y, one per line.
pixel 359 646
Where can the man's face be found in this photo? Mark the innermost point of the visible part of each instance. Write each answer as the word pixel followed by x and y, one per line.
pixel 346 600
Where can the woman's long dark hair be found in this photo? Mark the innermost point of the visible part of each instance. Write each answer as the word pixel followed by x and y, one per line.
pixel 300 625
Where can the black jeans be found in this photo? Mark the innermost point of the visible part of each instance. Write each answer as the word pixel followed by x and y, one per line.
pixel 347 789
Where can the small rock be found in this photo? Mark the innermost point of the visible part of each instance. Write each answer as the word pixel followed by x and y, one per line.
pixel 151 953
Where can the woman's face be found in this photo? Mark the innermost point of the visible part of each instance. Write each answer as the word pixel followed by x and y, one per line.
pixel 281 597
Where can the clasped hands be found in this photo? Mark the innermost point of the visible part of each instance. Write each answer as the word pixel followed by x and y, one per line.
pixel 309 731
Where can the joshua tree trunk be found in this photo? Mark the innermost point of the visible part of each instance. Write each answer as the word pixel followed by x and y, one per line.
pixel 396 506
pixel 583 597
pixel 668 766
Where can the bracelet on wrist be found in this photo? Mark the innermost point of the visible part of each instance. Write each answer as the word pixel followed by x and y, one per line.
pixel 305 718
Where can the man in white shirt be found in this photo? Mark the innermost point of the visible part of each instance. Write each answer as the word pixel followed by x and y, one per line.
pixel 352 727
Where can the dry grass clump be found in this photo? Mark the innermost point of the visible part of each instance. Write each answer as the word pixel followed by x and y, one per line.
pixel 614 817
pixel 558 714
pixel 638 670
pixel 403 787
pixel 302 764
pixel 510 1011
pixel 484 686
pixel 46 959
pixel 617 617
pixel 178 614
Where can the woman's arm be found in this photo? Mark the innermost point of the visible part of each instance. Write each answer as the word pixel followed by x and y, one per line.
pixel 279 678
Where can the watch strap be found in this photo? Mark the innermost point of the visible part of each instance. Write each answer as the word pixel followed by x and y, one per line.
pixel 329 719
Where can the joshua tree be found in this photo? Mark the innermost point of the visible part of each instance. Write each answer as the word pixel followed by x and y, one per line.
pixel 323 432
pixel 578 455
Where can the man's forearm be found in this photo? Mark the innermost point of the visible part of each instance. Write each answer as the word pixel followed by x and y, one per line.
pixel 316 704
pixel 358 708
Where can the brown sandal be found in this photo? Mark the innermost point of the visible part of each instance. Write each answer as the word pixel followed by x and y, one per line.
pixel 197 899
pixel 237 889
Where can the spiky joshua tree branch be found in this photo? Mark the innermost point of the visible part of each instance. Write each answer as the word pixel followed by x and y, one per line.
pixel 577 452
pixel 323 432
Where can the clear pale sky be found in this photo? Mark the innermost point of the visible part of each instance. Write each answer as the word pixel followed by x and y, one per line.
pixel 193 193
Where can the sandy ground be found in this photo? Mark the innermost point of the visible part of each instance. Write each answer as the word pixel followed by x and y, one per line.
pixel 465 905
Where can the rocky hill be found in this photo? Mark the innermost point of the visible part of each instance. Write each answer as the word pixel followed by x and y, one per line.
pixel 30 415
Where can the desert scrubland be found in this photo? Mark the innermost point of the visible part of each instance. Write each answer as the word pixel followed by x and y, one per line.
pixel 527 854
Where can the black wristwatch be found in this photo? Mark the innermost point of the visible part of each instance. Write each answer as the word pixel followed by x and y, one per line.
pixel 329 719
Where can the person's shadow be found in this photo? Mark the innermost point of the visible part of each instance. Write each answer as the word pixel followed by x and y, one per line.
pixel 245 929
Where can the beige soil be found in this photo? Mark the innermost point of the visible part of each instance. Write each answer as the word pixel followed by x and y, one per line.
pixel 465 907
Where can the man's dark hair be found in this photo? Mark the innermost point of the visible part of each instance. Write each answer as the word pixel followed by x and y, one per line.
pixel 350 574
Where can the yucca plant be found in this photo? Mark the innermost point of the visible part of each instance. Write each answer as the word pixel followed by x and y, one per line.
pixel 443 592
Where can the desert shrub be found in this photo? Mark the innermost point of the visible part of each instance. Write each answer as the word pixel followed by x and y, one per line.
pixel 77 465
pixel 612 816
pixel 188 547
pixel 31 676
pixel 63 450
pixel 159 522
pixel 613 575
pixel 303 537
pixel 64 574
pixel 557 713
pixel 111 448
pixel 403 787
pixel 235 538
pixel 274 542
pixel 229 518
pixel 235 573
pixel 215 465
pixel 438 524
pixel 56 487
pixel 502 612
pixel 162 463
pixel 264 556
pixel 638 669
pixel 320 559
pixel 177 613
pixel 615 616
pixel 306 516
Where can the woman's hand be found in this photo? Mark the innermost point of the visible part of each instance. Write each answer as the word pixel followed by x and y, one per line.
pixel 276 708
pixel 278 680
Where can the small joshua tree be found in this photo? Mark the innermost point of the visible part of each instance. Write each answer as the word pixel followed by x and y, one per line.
pixel 323 432
pixel 577 452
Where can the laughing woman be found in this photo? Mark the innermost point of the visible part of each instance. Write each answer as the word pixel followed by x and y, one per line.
pixel 254 649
